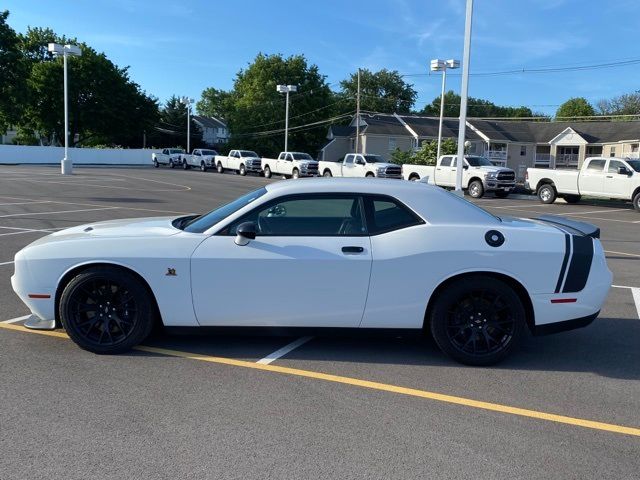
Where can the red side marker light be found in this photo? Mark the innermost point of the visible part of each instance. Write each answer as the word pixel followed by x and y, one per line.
pixel 564 300
pixel 39 295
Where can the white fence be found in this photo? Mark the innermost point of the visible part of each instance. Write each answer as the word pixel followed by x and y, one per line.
pixel 11 154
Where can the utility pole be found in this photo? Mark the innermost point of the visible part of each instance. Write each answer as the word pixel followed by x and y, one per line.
pixel 286 89
pixel 188 101
pixel 358 115
pixel 464 91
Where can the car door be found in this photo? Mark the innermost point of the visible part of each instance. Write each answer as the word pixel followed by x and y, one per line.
pixel 591 178
pixel 309 266
pixel 618 185
pixel 442 172
pixel 348 166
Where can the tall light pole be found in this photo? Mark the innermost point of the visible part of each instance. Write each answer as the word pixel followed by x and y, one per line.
pixel 438 65
pixel 358 115
pixel 464 91
pixel 66 166
pixel 188 102
pixel 286 89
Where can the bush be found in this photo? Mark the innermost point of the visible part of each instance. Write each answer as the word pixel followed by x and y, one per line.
pixel 426 154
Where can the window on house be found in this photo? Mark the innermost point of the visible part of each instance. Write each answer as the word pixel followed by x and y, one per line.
pixel 634 147
pixel 393 144
pixel 523 150
pixel 612 152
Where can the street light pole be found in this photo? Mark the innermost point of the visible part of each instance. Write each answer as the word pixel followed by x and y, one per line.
pixel 442 65
pixel 286 89
pixel 464 91
pixel 188 101
pixel 66 165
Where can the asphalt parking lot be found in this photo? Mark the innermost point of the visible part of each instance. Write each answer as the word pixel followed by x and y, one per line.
pixel 564 406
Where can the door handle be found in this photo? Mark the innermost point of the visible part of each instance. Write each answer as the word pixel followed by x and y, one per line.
pixel 609 176
pixel 352 249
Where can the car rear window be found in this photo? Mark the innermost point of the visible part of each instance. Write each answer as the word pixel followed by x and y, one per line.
pixel 385 214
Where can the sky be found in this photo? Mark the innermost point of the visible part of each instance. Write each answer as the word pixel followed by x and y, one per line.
pixel 183 47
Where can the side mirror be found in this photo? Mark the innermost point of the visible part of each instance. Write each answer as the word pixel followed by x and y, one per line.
pixel 465 167
pixel 245 233
pixel 623 171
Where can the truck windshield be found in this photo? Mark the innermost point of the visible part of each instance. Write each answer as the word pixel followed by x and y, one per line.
pixel 373 158
pixel 635 164
pixel 479 162
pixel 301 156
pixel 208 220
pixel 209 152
pixel 248 153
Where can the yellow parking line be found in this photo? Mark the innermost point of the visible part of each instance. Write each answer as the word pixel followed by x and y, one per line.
pixel 467 402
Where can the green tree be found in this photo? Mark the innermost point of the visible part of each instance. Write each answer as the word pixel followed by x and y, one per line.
pixel 384 91
pixel 575 107
pixel 627 104
pixel 428 151
pixel 256 110
pixel 215 103
pixel 172 127
pixel 400 157
pixel 476 107
pixel 13 75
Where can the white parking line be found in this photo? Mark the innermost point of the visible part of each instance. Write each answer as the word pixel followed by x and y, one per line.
pixel 284 350
pixel 14 320
pixel 6 263
pixel 53 213
pixel 635 292
pixel 24 203
pixel 622 253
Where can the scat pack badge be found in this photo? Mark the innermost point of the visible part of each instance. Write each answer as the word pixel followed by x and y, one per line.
pixel 171 272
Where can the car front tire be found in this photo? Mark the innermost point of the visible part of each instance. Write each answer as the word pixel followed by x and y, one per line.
pixel 155 163
pixel 476 189
pixel 477 320
pixel 243 170
pixel 203 167
pixel 295 174
pixel 547 194
pixel 171 165
pixel 106 310
pixel 636 202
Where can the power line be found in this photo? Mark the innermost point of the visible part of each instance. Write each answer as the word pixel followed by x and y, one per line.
pixel 307 126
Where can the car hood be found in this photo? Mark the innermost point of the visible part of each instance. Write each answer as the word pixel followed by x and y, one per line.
pixel 384 164
pixel 492 169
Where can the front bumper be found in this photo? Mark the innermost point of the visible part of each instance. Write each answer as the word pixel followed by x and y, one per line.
pixel 253 168
pixel 499 185
pixel 389 175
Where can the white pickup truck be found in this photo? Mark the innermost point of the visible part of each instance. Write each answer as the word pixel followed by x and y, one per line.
pixel 360 165
pixel 240 161
pixel 599 177
pixel 168 156
pixel 290 164
pixel 478 177
pixel 200 157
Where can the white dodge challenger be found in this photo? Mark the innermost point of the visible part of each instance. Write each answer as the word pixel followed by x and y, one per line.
pixel 321 254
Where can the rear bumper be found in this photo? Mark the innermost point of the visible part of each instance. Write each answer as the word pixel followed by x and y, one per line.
pixel 558 327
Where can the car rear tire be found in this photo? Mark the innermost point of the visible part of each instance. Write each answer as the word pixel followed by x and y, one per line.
pixel 572 198
pixel 369 175
pixel 501 194
pixel 476 189
pixel 203 167
pixel 414 177
pixel 327 174
pixel 547 194
pixel 155 163
pixel 267 172
pixel 219 168
pixel 243 170
pixel 477 320
pixel 636 202
pixel 171 165
pixel 106 310
pixel 295 174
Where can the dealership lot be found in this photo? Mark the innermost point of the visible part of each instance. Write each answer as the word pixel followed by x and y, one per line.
pixel 241 406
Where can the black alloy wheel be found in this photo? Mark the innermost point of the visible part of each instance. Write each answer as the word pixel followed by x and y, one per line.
pixel 106 310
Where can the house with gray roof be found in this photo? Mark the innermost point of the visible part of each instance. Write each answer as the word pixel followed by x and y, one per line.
pixel 214 130
pixel 515 144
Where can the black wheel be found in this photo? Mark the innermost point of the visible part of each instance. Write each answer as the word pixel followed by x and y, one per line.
pixel 155 163
pixel 327 173
pixel 636 202
pixel 295 173
pixel 267 172
pixel 243 170
pixel 171 165
pixel 106 310
pixel 370 175
pixel 203 167
pixel 572 198
pixel 501 193
pixel 414 177
pixel 477 320
pixel 184 165
pixel 476 189
pixel 547 193
pixel 219 168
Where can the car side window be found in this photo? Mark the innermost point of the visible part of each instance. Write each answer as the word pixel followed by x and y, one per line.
pixel 596 166
pixel 446 162
pixel 614 165
pixel 308 215
pixel 349 160
pixel 385 214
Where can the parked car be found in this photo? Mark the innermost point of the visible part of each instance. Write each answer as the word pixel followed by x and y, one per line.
pixel 360 165
pixel 479 175
pixel 290 164
pixel 168 156
pixel 352 253
pixel 200 157
pixel 599 177
pixel 240 161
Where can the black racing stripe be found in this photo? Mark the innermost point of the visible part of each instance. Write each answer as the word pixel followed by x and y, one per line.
pixel 565 260
pixel 580 264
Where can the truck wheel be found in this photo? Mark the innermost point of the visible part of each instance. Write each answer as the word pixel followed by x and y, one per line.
pixel 501 193
pixel 327 173
pixel 267 172
pixel 636 202
pixel 171 164
pixel 414 177
pixel 295 174
pixel 155 163
pixel 477 320
pixel 203 167
pixel 572 198
pixel 476 189
pixel 370 175
pixel 219 168
pixel 243 171
pixel 185 166
pixel 547 193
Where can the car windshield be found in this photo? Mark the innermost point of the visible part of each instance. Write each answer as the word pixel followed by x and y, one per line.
pixel 373 158
pixel 208 220
pixel 301 156
pixel 248 153
pixel 209 152
pixel 635 164
pixel 175 150
pixel 479 162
